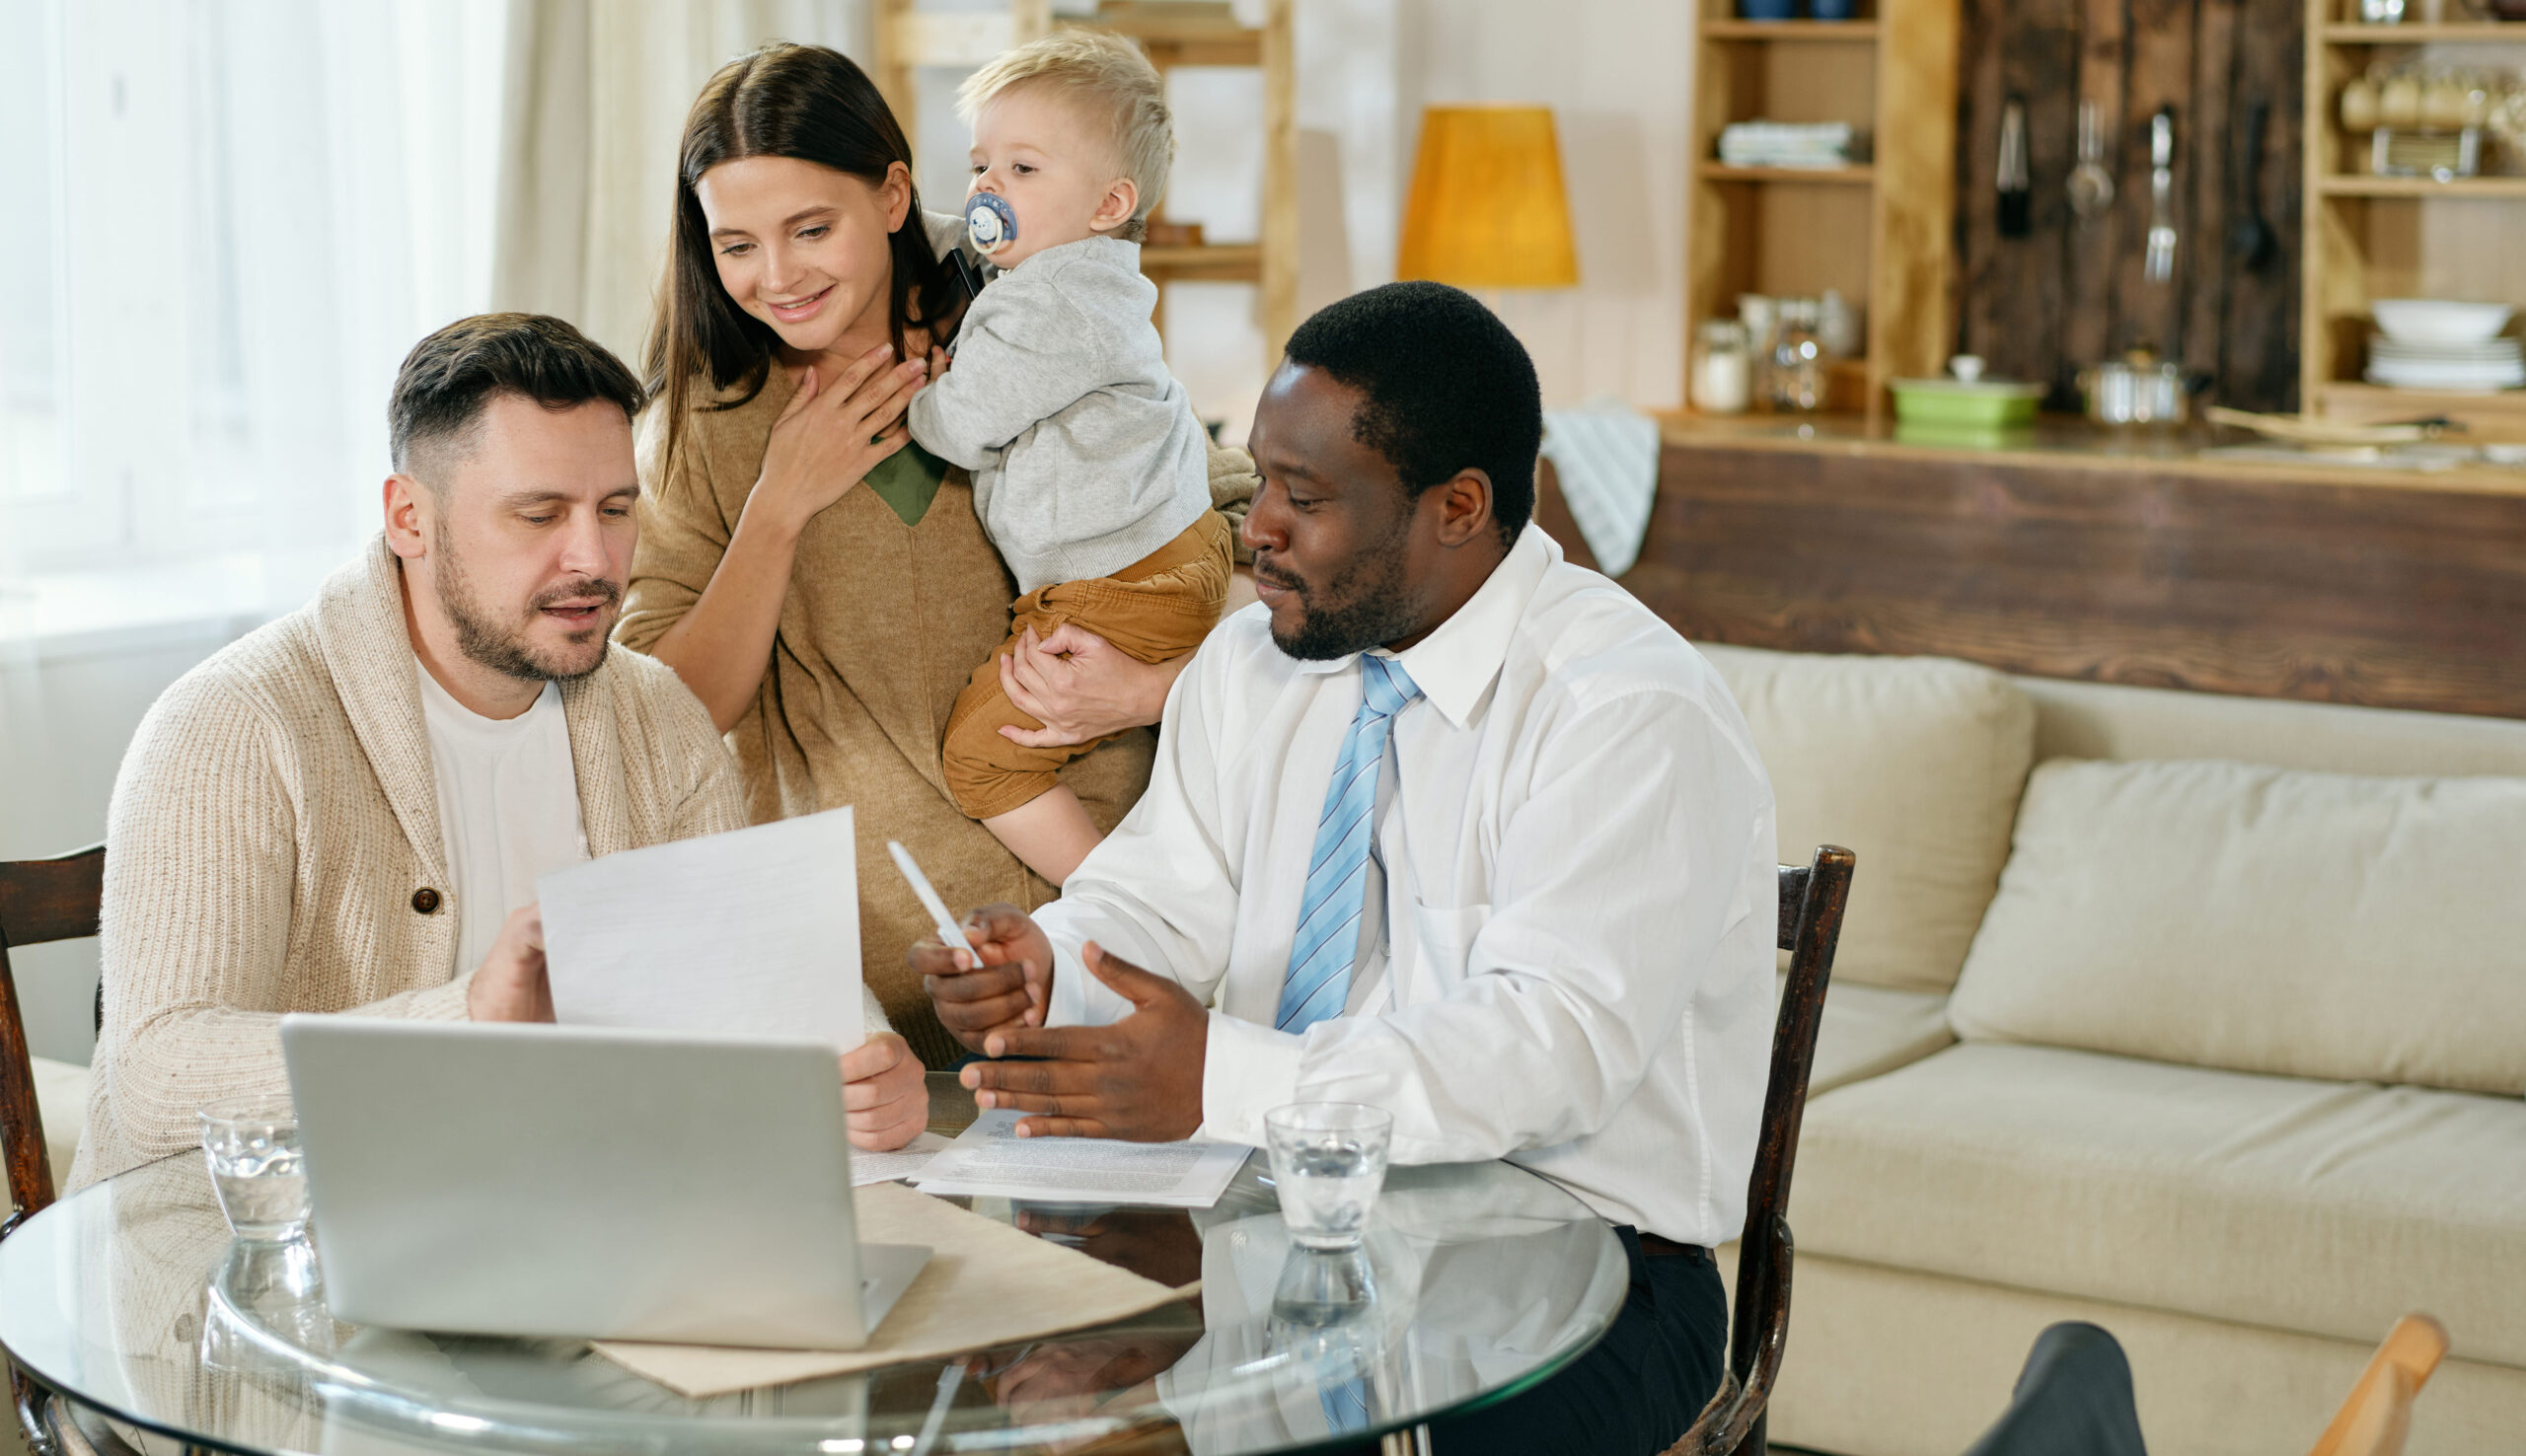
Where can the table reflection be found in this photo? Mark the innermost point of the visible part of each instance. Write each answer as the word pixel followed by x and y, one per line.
pixel 1473 1280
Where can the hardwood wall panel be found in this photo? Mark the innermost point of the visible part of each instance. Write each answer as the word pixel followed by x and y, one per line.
pixel 2043 306
pixel 2405 598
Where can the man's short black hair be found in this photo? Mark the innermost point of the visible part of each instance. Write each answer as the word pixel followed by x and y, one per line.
pixel 449 377
pixel 1445 385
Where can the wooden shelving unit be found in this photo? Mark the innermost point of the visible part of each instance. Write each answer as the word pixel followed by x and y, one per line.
pixel 1713 29
pixel 1172 33
pixel 1881 232
pixel 1862 176
pixel 2421 187
pixel 2339 32
pixel 2397 237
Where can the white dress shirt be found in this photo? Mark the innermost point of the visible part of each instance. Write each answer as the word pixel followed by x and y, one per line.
pixel 1580 887
pixel 508 807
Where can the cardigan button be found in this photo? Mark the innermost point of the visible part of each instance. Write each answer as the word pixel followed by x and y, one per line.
pixel 426 900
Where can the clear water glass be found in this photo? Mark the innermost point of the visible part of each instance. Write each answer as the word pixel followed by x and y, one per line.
pixel 1328 1162
pixel 256 1166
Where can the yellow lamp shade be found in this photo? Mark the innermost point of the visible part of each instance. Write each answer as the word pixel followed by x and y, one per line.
pixel 1487 208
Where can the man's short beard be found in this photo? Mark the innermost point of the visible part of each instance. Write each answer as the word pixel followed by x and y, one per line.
pixel 506 651
pixel 1378 606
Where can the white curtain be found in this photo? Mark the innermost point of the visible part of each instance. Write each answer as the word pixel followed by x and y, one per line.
pixel 245 212
pixel 222 225
pixel 595 103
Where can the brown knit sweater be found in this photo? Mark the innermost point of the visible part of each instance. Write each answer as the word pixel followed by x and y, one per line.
pixel 273 825
pixel 881 626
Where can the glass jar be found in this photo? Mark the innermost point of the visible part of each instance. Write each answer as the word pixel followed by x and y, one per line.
pixel 1798 360
pixel 1722 368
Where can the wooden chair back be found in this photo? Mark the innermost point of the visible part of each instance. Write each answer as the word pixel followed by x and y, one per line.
pixel 40 901
pixel 1812 898
pixel 2377 1417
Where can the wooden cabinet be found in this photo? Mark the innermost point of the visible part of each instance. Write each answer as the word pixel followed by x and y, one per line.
pixel 1878 233
pixel 2388 237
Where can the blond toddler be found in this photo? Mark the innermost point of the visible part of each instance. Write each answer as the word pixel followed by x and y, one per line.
pixel 1091 473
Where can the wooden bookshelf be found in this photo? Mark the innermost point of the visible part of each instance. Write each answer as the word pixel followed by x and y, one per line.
pixel 1880 232
pixel 2354 33
pixel 2421 187
pixel 1171 33
pixel 1790 30
pixel 2370 237
pixel 1861 175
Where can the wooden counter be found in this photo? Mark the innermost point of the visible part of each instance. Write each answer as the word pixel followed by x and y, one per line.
pixel 2113 556
pixel 2068 443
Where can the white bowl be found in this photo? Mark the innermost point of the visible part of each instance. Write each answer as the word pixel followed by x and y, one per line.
pixel 2439 320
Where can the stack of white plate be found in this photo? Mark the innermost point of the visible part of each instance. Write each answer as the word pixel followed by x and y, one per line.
pixel 2493 364
pixel 2444 345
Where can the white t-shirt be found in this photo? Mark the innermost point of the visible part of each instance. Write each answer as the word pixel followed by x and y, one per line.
pixel 508 803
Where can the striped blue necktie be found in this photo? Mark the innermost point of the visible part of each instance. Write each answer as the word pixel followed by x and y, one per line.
pixel 1337 873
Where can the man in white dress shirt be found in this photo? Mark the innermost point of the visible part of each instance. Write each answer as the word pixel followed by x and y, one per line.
pixel 1445 824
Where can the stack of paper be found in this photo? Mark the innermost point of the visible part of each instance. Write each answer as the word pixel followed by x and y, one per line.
pixel 986 1284
pixel 990 1160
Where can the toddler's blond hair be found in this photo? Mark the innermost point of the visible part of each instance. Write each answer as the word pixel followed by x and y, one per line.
pixel 1104 70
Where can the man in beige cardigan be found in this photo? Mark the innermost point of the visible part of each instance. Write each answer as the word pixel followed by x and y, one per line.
pixel 310 822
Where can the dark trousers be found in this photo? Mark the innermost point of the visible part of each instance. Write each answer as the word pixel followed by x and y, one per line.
pixel 2072 1399
pixel 1635 1391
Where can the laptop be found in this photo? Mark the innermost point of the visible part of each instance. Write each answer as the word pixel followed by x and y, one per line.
pixel 585 1182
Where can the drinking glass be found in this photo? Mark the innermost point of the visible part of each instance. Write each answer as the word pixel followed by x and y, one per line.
pixel 1328 1161
pixel 252 1145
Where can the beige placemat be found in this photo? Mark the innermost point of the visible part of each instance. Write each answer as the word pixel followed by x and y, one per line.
pixel 985 1284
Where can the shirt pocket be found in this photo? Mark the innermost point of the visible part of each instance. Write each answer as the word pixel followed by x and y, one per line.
pixel 1442 939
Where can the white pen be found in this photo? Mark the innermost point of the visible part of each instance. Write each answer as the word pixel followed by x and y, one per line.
pixel 950 934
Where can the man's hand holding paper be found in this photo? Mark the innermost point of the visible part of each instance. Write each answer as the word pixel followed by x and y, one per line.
pixel 753 931
pixel 511 985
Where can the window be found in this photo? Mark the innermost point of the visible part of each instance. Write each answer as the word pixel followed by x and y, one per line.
pixel 241 215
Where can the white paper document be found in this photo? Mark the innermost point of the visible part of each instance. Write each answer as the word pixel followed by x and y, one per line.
pixel 752 932
pixel 990 1160
pixel 902 1164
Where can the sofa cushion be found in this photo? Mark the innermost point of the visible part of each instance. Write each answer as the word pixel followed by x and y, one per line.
pixel 1913 763
pixel 2323 1207
pixel 1870 1030
pixel 2259 920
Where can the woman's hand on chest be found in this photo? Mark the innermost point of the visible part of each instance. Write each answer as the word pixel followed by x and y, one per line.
pixel 832 434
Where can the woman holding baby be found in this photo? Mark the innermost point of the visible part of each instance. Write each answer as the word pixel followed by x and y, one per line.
pixel 829 587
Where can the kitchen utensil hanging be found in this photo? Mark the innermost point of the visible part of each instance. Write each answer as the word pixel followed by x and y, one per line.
pixel 2090 187
pixel 2159 263
pixel 2251 237
pixel 2016 188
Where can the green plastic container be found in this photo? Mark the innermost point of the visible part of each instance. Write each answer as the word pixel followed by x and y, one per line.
pixel 1954 405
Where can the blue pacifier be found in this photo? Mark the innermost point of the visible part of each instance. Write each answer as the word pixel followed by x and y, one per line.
pixel 991 224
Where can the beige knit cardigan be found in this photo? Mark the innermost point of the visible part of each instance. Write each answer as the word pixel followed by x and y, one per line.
pixel 272 831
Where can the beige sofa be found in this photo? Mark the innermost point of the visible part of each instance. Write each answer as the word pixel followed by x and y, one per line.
pixel 2201 1018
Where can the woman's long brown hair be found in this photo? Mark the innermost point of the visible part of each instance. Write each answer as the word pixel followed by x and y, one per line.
pixel 783 101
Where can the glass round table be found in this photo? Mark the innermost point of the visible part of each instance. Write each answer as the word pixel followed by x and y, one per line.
pixel 1476 1281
